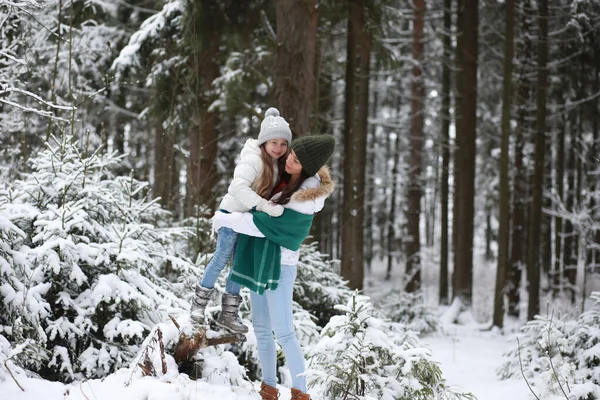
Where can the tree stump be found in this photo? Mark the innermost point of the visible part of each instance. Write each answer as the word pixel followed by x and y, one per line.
pixel 188 345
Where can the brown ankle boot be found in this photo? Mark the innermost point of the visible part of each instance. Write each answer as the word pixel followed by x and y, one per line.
pixel 268 392
pixel 298 395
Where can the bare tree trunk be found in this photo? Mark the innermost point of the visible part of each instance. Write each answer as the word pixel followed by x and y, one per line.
pixel 204 32
pixel 503 260
pixel 391 231
pixel 294 61
pixel 355 143
pixel 533 266
pixel 520 191
pixel 466 142
pixel 594 252
pixel 558 221
pixel 370 200
pixel 445 143
pixel 417 108
pixel 569 264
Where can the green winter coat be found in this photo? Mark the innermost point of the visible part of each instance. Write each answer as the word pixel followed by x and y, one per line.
pixel 257 261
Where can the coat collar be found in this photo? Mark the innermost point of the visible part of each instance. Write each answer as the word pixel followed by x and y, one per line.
pixel 324 189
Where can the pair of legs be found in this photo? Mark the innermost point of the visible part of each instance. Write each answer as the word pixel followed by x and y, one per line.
pixel 231 300
pixel 272 312
pixel 226 242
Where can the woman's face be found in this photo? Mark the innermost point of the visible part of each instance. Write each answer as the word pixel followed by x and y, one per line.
pixel 292 164
pixel 276 148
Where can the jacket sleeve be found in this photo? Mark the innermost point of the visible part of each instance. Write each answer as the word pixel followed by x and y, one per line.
pixel 244 175
pixel 240 222
pixel 307 207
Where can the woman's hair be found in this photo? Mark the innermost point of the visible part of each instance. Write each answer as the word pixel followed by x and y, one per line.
pixel 289 190
pixel 265 182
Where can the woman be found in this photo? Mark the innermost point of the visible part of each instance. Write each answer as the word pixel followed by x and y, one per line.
pixel 303 190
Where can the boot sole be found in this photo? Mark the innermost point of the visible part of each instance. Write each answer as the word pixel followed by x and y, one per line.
pixel 228 329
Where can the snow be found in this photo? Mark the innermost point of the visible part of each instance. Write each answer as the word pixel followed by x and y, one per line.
pixel 469 359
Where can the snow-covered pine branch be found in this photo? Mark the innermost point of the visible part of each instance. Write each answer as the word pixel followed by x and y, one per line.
pixel 81 275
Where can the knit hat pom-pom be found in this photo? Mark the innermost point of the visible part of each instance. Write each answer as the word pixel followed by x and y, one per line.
pixel 272 112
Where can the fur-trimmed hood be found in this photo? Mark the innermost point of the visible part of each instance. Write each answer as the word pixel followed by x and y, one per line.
pixel 324 188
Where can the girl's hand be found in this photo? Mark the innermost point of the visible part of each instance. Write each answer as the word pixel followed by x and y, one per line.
pixel 274 210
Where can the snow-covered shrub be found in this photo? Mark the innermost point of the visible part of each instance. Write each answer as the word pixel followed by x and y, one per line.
pixel 409 310
pixel 559 354
pixel 81 273
pixel 318 286
pixel 8 369
pixel 362 357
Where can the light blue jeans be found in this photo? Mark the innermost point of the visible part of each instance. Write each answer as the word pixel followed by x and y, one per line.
pixel 225 251
pixel 272 312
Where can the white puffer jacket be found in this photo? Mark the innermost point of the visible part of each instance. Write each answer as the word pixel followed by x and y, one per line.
pixel 309 199
pixel 240 197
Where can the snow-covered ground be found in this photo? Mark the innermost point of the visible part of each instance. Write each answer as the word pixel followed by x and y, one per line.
pixel 469 359
pixel 468 354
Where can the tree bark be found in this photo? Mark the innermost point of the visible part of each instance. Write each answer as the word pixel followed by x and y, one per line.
pixel 391 231
pixel 504 218
pixel 466 142
pixel 569 263
pixel 294 82
pixel 417 106
pixel 520 189
pixel 533 266
pixel 445 143
pixel 204 32
pixel 355 142
pixel 558 221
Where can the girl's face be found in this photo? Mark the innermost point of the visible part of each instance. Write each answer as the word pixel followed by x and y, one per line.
pixel 292 164
pixel 276 148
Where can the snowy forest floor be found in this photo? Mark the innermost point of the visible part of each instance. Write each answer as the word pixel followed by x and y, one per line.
pixel 468 354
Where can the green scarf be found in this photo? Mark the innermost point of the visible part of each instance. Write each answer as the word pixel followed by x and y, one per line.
pixel 257 261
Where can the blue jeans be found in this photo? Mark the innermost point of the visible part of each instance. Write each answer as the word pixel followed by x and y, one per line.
pixel 226 241
pixel 272 312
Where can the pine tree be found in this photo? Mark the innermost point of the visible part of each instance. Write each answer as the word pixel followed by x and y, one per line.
pixel 362 357
pixel 83 280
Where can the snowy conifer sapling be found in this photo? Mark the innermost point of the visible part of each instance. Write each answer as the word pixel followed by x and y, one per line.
pixel 80 275
pixel 362 357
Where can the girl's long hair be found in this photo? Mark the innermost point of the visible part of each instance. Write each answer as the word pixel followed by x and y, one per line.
pixel 289 190
pixel 263 186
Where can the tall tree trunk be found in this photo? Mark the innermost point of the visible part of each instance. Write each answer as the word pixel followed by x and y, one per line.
pixel 594 252
pixel 370 200
pixel 445 143
pixel 558 221
pixel 391 231
pixel 355 143
pixel 466 141
pixel 204 32
pixel 569 263
pixel 294 61
pixel 520 191
pixel 503 260
pixel 533 266
pixel 417 109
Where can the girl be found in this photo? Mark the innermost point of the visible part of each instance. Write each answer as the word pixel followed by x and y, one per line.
pixel 306 184
pixel 261 164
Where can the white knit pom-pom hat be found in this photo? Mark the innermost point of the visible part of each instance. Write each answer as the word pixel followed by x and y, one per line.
pixel 274 127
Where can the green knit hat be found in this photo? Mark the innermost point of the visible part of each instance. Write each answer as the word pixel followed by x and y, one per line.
pixel 313 151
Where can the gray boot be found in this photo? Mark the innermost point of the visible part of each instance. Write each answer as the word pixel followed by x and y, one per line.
pixel 199 304
pixel 229 318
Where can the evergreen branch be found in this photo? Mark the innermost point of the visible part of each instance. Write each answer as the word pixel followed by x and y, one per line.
pixel 550 359
pixel 33 110
pixel 11 374
pixel 522 372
